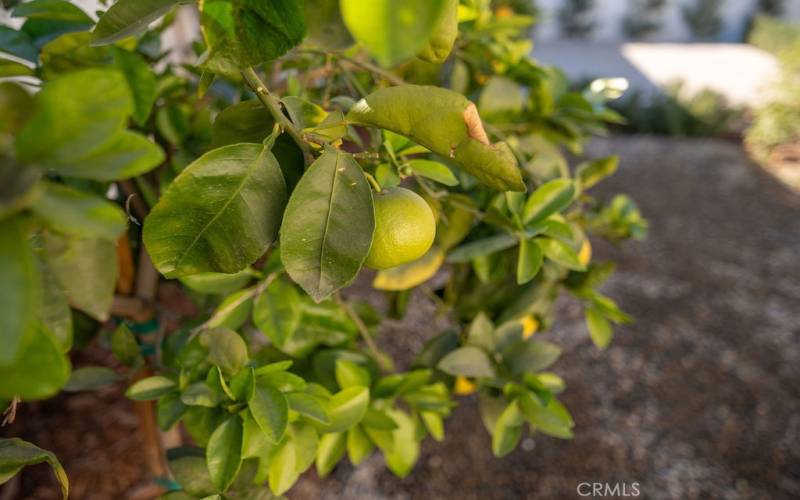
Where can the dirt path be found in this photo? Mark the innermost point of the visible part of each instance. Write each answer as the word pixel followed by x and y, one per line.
pixel 698 399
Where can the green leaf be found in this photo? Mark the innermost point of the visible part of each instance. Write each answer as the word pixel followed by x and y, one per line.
pixel 235 189
pixel 599 328
pixel 507 430
pixel 468 361
pixel 359 446
pixel 529 261
pixel 445 122
pixel 17 43
pixel 230 316
pixel 53 310
pixel 411 274
pixel 245 33
pixel 224 452
pixel 325 26
pixel 552 419
pixel 405 452
pixel 560 253
pixel 40 371
pixel 270 411
pixel 330 450
pixel 13 68
pixel 200 394
pixel 191 473
pixel 169 410
pixel 85 269
pixel 277 312
pixel 480 333
pixel 150 388
pixel 530 355
pixel 19 292
pixel 433 422
pixel 328 225
pixel 125 155
pixel 349 374
pixel 47 19
pixel 346 408
pixel 444 35
pixel 482 248
pixel 283 468
pixel 590 173
pixel 124 345
pixel 433 170
pixel 128 17
pixel 141 81
pixel 79 214
pixel 218 283
pixel 90 378
pixel 551 197
pixel 17 105
pixel 308 406
pixel 16 454
pixel 226 349
pixel 72 52
pixel 392 30
pixel 501 97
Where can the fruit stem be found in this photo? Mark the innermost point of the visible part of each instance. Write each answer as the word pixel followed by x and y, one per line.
pixel 373 182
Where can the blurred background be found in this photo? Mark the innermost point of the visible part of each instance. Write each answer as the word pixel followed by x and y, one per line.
pixel 699 397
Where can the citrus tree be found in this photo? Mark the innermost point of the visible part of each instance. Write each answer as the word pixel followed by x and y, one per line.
pixel 303 143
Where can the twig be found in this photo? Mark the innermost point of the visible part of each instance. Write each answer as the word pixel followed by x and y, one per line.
pixel 367 66
pixel 10 413
pixel 253 292
pixel 260 89
pixel 383 359
pixel 135 308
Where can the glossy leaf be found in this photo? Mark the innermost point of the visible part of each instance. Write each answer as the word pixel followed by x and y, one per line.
pixel 270 411
pixel 445 122
pixel 19 293
pixel 218 283
pixel 150 388
pixel 561 253
pixel 308 406
pixel 245 33
pixel 224 452
pixel 128 17
pixel 529 261
pixel 69 257
pixel 359 446
pixel 90 378
pixel 468 361
pixel 530 355
pixel 17 43
pixel 16 454
pixel 507 430
pixel 551 197
pixel 392 30
pixel 40 370
pixel 330 450
pixel 433 422
pixel 328 225
pixel 235 189
pixel 79 214
pixel 402 457
pixel 433 170
pixel 226 349
pixel 277 312
pixel 346 408
pixel 349 374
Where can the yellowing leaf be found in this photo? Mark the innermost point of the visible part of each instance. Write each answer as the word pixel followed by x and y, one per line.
pixel 412 274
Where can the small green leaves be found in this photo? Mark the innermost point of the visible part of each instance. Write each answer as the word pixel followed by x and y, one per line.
pixel 192 474
pixel 226 349
pixel 128 17
pixel 244 33
pixel 277 312
pixel 446 123
pixel 393 30
pixel 530 355
pixel 529 261
pixel 150 388
pixel 552 197
pixel 552 418
pixel 405 452
pixel 433 170
pixel 507 430
pixel 468 361
pixel 590 173
pixel 16 454
pixel 330 450
pixel 89 378
pixel 20 287
pixel 349 374
pixel 235 189
pixel 328 225
pixel 224 452
pixel 270 411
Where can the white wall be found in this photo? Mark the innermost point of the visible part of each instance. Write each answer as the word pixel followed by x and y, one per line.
pixel 609 15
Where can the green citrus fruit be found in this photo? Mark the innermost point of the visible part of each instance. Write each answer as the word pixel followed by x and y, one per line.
pixel 404 228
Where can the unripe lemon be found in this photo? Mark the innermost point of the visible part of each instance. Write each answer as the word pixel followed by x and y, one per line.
pixel 404 228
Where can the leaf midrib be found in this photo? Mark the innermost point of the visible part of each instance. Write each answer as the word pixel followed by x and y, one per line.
pixel 218 214
pixel 327 222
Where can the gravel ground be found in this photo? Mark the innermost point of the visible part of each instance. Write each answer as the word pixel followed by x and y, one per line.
pixel 698 398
